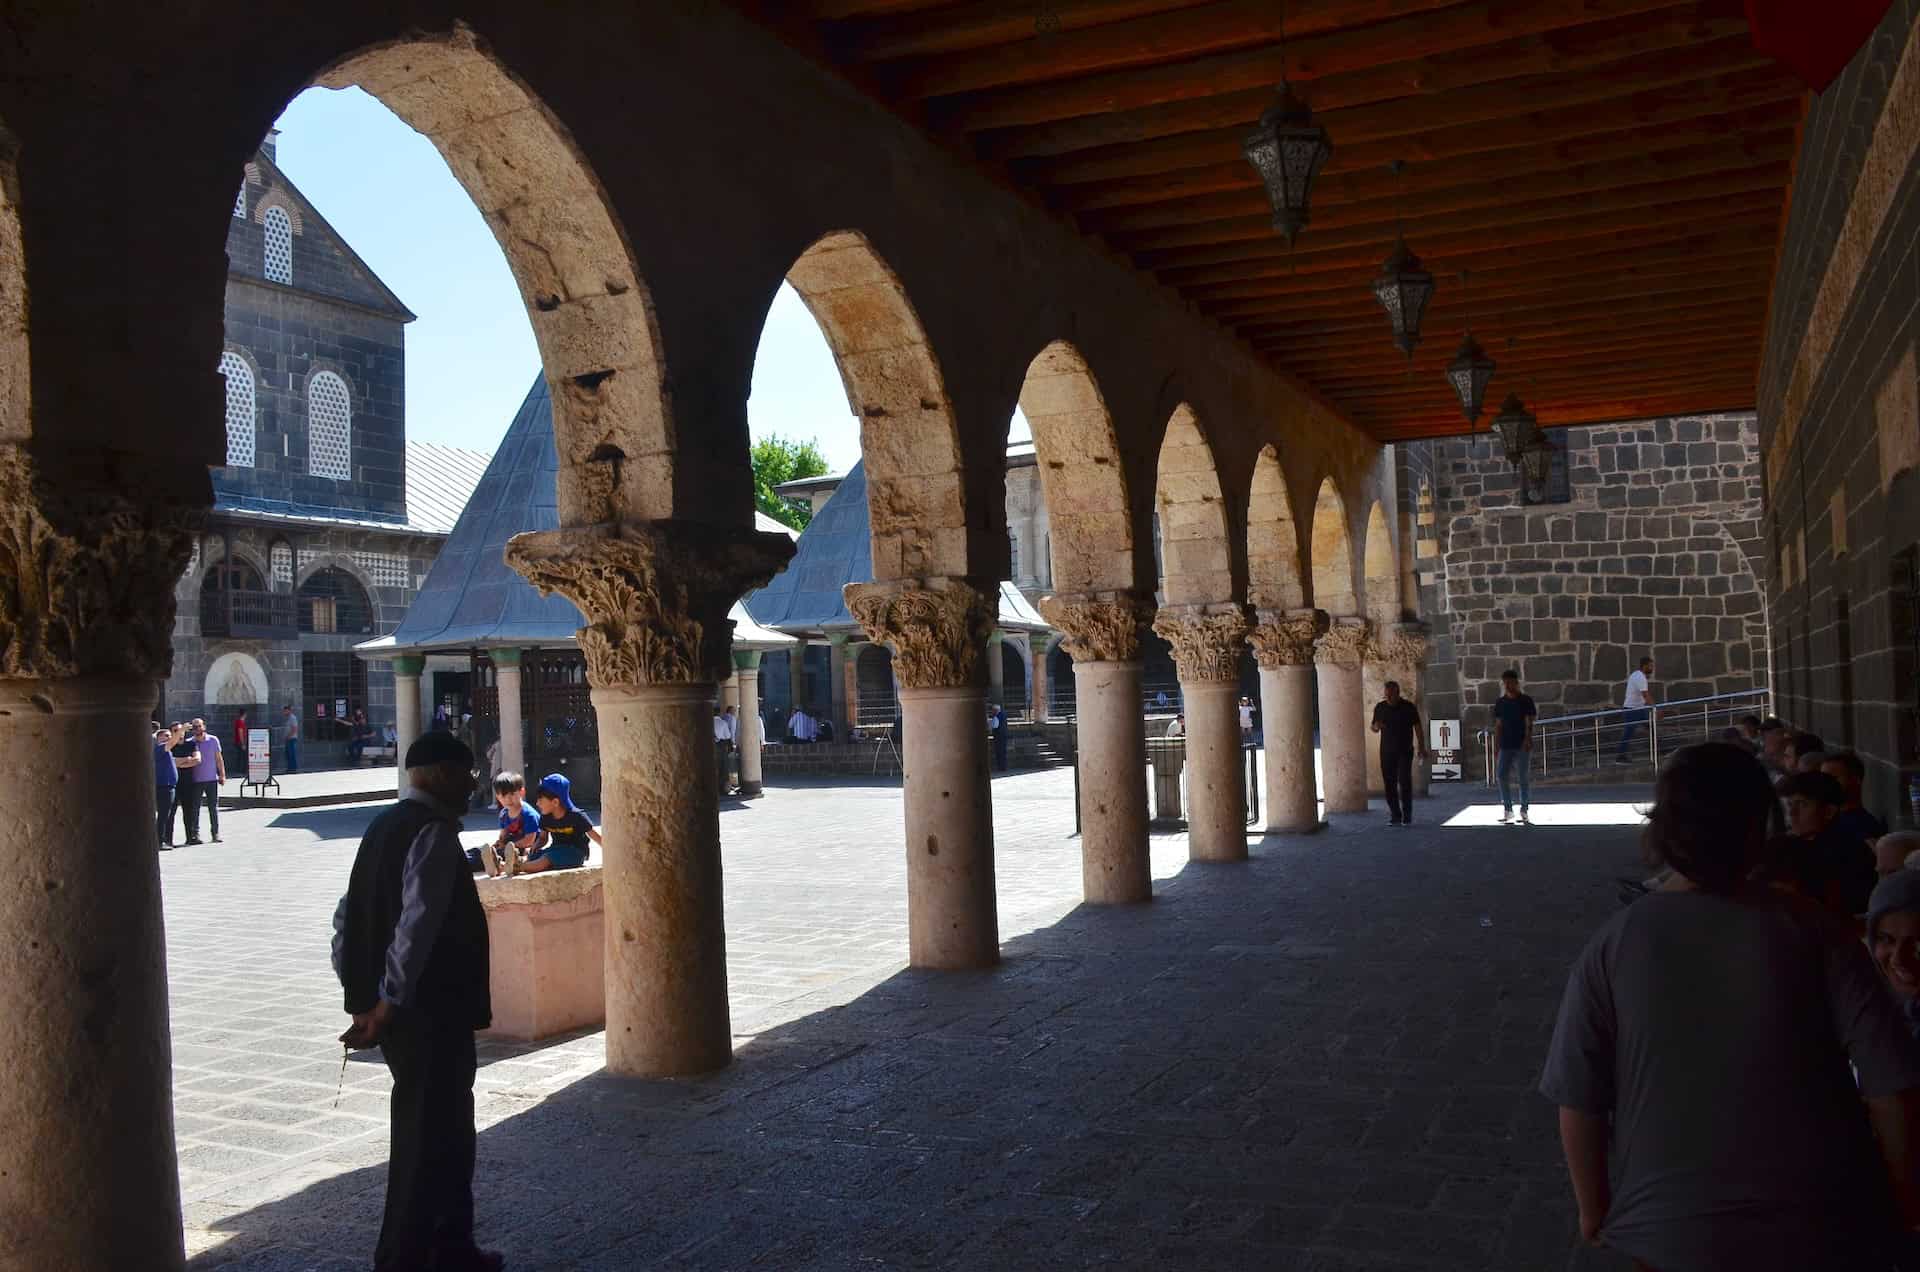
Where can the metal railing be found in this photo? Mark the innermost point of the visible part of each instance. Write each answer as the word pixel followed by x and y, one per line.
pixel 246 614
pixel 1639 735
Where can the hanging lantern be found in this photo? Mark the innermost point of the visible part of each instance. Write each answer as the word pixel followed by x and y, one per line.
pixel 1288 150
pixel 1403 289
pixel 1469 373
pixel 1536 458
pixel 1516 427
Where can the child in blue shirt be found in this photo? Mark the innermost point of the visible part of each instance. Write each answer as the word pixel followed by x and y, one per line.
pixel 566 827
pixel 520 832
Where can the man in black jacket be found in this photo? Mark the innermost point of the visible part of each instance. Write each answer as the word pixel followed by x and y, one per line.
pixel 410 947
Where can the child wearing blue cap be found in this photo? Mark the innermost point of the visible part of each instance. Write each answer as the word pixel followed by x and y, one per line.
pixel 567 828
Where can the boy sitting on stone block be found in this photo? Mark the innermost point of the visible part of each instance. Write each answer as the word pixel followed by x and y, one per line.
pixel 566 827
pixel 520 832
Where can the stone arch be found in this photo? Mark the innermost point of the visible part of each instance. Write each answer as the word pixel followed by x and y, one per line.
pixel 1331 554
pixel 1198 564
pixel 1089 519
pixel 909 438
pixel 1381 573
pixel 15 399
pixel 335 600
pixel 236 680
pixel 1273 540
pixel 592 318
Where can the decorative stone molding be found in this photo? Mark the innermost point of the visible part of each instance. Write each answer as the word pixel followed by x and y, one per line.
pixel 1206 640
pixel 1344 644
pixel 1405 645
pixel 937 627
pixel 1099 626
pixel 1284 638
pixel 87 575
pixel 655 594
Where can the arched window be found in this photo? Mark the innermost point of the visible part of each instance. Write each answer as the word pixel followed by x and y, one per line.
pixel 279 253
pixel 332 601
pixel 280 565
pixel 239 409
pixel 329 427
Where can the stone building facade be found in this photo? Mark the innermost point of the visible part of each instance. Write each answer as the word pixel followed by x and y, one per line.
pixel 325 518
pixel 1646 542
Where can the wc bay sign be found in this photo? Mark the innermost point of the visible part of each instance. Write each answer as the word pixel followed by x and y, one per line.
pixel 1443 739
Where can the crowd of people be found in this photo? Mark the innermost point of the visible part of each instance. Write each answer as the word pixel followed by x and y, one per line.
pixel 1737 1055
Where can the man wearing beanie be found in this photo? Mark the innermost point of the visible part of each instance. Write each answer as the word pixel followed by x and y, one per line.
pixel 410 948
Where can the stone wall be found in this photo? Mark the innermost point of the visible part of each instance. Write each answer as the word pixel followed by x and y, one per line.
pixel 1655 553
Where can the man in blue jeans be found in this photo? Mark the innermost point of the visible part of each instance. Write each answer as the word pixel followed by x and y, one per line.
pixel 1513 714
pixel 1638 700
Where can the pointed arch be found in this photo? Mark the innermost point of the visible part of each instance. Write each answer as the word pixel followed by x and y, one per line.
pixel 1332 554
pixel 1081 477
pixel 591 316
pixel 1197 564
pixel 1273 540
pixel 1381 581
pixel 909 438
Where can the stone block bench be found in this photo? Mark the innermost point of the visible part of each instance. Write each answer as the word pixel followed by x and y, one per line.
pixel 546 948
pixel 377 755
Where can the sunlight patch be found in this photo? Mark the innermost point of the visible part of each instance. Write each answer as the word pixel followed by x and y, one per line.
pixel 1625 813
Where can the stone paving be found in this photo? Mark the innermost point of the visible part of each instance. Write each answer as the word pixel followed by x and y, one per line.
pixel 1321 1060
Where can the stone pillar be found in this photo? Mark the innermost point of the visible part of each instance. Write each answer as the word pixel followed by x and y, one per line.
pixel 1103 637
pixel 1207 640
pixel 996 669
pixel 1399 656
pixel 746 663
pixel 506 679
pixel 657 641
pixel 730 693
pixel 1283 646
pixel 88 1179
pixel 1042 704
pixel 837 666
pixel 406 711
pixel 1343 735
pixel 937 629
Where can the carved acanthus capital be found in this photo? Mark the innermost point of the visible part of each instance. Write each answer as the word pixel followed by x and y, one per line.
pixel 87 575
pixel 1284 638
pixel 1100 626
pixel 1206 640
pixel 1344 644
pixel 1404 645
pixel 936 627
pixel 655 594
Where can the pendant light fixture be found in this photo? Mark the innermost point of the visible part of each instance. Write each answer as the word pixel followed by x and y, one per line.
pixel 1471 368
pixel 1403 287
pixel 1516 426
pixel 1288 150
pixel 1536 458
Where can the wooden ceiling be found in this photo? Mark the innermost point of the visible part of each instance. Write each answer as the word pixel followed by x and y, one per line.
pixel 1611 174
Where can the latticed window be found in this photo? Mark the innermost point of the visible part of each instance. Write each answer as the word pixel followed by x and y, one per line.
pixel 279 256
pixel 386 569
pixel 329 427
pixel 240 409
pixel 280 564
pixel 240 201
pixel 1013 556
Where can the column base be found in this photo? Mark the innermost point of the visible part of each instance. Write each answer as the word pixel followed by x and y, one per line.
pixel 751 790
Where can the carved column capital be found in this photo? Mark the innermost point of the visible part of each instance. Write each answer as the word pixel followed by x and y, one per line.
pixel 1206 640
pixel 937 627
pixel 1100 626
pixel 87 575
pixel 1344 644
pixel 1284 638
pixel 1403 645
pixel 655 594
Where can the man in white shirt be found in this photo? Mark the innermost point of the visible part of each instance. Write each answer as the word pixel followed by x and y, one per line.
pixel 1639 703
pixel 725 729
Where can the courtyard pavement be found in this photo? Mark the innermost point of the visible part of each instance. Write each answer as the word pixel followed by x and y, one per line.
pixel 1322 1059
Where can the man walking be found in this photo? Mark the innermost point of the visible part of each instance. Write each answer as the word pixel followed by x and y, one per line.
pixel 166 781
pixel 997 733
pixel 1513 716
pixel 207 776
pixel 1639 703
pixel 1397 721
pixel 410 948
pixel 725 731
pixel 291 723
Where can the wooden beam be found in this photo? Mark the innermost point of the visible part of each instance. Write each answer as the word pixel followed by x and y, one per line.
pixel 1555 411
pixel 1433 356
pixel 1692 403
pixel 984 24
pixel 1543 325
pixel 1651 370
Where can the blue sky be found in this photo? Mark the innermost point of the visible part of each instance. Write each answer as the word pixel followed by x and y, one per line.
pixel 471 355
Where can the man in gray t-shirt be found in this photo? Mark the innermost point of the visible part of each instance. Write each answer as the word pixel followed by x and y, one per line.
pixel 1716 1031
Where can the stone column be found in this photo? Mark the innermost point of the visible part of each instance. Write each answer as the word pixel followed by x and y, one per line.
pixel 937 629
pixel 406 711
pixel 657 642
pixel 88 1179
pixel 1206 641
pixel 1042 704
pixel 746 663
pixel 1343 735
pixel 996 669
pixel 1103 637
pixel 1401 657
pixel 838 696
pixel 1283 646
pixel 506 679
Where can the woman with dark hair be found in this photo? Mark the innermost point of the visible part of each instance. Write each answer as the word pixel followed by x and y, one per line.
pixel 1707 1031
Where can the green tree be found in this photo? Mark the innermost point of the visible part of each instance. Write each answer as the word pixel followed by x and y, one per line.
pixel 777 460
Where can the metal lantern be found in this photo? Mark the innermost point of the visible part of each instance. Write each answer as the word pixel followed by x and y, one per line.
pixel 1403 289
pixel 1536 458
pixel 1468 373
pixel 1288 150
pixel 1516 427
